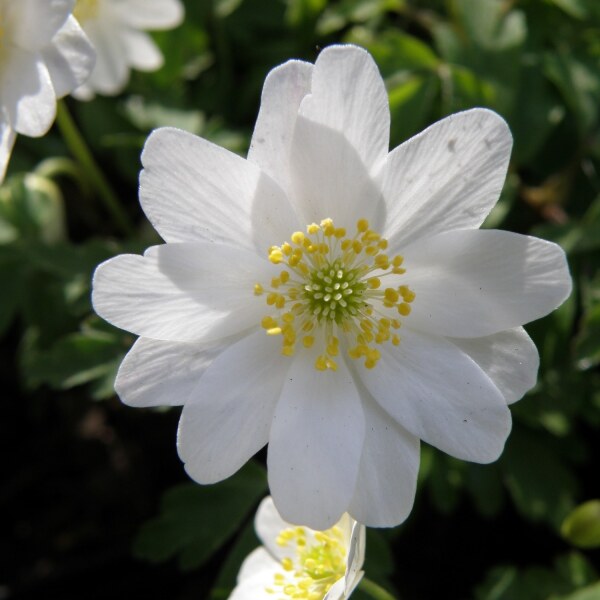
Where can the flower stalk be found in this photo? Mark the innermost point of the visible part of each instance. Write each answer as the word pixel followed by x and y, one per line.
pixel 92 171
pixel 374 590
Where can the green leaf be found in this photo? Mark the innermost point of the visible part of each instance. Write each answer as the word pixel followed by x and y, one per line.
pixel 578 80
pixel 539 482
pixel 582 526
pixel 591 592
pixel 195 521
pixel 31 206
pixel 411 103
pixel 76 359
pixel 489 25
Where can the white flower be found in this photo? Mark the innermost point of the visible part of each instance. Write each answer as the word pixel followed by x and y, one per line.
pixel 297 562
pixel 44 55
pixel 115 30
pixel 329 298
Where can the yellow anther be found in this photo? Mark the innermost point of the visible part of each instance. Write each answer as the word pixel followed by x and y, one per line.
pixel 274 331
pixel 308 341
pixel 395 340
pixel 391 295
pixel 276 257
pixel 396 324
pixel 374 282
pixel 287 350
pixel 371 250
pixel 288 317
pixel 298 237
pixel 340 232
pixel 346 244
pixel 271 298
pixel 404 309
pixel 280 301
pixel 362 225
pixel 397 260
pixel 258 289
pixel 398 271
pixel 382 261
pixel 383 244
pixel 287 564
pixel 268 322
pixel 312 228
pixel 275 282
pixel 357 246
pixel 321 363
pixel 286 249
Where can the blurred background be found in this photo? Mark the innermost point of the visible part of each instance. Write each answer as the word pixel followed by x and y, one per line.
pixel 94 502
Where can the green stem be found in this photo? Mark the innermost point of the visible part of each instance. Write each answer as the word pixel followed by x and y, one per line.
pixel 81 152
pixel 374 590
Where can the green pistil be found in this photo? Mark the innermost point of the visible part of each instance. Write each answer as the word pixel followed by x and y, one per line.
pixel 334 293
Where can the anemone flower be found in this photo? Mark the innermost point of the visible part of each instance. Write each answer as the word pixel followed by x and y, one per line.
pixel 116 29
pixel 297 562
pixel 329 298
pixel 44 55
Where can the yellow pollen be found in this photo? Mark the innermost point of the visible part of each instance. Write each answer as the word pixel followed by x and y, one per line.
pixel 315 564
pixel 331 296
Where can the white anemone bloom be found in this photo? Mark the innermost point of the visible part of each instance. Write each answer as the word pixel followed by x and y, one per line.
pixel 115 28
pixel 44 55
pixel 297 562
pixel 329 298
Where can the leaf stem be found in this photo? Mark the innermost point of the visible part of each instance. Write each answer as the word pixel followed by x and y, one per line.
pixel 374 590
pixel 82 153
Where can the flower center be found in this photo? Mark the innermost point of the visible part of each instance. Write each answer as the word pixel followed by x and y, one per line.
pixel 85 10
pixel 314 568
pixel 331 291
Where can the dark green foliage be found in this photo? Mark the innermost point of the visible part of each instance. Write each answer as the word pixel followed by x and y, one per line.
pixel 536 62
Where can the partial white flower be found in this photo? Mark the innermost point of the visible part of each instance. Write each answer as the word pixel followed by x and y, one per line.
pixel 297 562
pixel 329 298
pixel 115 28
pixel 44 55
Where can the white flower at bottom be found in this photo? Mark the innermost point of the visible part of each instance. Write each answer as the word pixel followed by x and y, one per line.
pixel 330 298
pixel 298 562
pixel 115 28
pixel 44 55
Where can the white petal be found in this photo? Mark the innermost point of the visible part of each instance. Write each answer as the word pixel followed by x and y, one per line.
pixel 440 394
pixel 349 96
pixel 27 94
pixel 447 177
pixel 159 373
pixel 111 72
pixel 387 479
pixel 35 22
pixel 509 358
pixel 258 562
pixel 141 51
pixel 181 292
pixel 150 14
pixel 268 525
pixel 329 178
pixel 283 90
pixel 337 590
pixel 192 190
pixel 229 414
pixel 475 283
pixel 69 58
pixel 356 557
pixel 256 575
pixel 315 444
pixel 7 141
